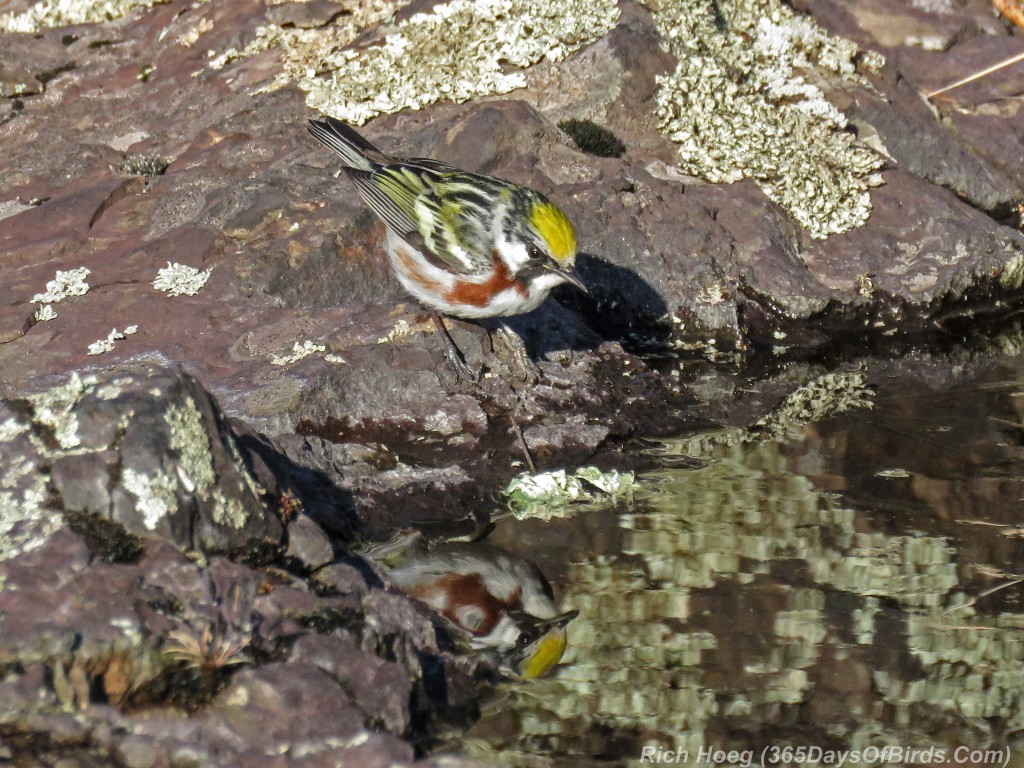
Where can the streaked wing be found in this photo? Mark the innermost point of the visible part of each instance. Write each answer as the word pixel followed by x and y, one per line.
pixel 456 232
pixel 392 202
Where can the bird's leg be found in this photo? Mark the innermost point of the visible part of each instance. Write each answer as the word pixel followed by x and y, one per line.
pixel 451 349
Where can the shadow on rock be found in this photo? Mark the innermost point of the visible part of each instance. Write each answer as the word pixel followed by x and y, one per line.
pixel 622 305
pixel 619 306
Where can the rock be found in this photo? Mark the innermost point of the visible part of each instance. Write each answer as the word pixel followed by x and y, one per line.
pixel 308 543
pixel 142 446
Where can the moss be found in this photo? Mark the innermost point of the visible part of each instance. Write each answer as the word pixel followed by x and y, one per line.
pixel 592 138
pixel 105 538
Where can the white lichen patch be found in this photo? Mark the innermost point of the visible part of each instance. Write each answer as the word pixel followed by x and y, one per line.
pixel 744 102
pixel 156 494
pixel 103 346
pixel 11 428
pixel 401 330
pixel 66 283
pixel 48 14
pixel 549 494
pixel 300 350
pixel 54 408
pixel 44 313
pixel 180 279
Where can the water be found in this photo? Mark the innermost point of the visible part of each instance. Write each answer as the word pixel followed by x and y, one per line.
pixel 840 584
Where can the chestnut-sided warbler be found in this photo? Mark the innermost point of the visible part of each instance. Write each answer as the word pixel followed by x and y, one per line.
pixel 463 244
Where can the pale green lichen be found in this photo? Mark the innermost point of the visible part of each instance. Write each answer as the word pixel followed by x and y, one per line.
pixel 191 440
pixel 156 494
pixel 743 103
pixel 181 280
pixel 227 511
pixel 48 14
pixel 66 283
pixel 54 408
pixel 461 50
pixel 1012 276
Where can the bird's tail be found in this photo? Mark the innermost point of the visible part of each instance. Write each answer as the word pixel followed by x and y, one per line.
pixel 355 151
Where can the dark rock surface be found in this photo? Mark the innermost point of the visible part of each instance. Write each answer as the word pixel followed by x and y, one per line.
pixel 313 407
pixel 125 640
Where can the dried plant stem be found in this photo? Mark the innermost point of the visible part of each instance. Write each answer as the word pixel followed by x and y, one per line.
pixel 978 75
pixel 978 597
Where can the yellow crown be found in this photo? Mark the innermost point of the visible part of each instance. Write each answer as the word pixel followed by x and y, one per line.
pixel 555 228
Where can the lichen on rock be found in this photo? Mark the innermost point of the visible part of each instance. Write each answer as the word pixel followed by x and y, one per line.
pixel 460 50
pixel 742 103
pixel 55 408
pixel 61 13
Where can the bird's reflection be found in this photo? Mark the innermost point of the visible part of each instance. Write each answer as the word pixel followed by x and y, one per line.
pixel 499 602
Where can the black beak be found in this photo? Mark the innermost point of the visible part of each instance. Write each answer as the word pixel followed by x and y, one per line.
pixel 571 278
pixel 559 622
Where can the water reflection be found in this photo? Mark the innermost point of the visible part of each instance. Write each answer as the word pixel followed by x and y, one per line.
pixel 823 588
pixel 500 602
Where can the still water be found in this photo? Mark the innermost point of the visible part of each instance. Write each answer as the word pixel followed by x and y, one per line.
pixel 831 581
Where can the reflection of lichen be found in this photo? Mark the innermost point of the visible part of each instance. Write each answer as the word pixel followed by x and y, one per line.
pixel 824 396
pixel 738 107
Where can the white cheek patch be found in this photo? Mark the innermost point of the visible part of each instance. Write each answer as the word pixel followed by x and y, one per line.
pixel 513 254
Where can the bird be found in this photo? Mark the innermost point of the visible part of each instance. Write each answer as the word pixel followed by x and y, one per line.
pixel 463 244
pixel 497 600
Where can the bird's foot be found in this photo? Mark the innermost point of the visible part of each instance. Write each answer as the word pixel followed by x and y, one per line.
pixel 451 350
pixel 517 358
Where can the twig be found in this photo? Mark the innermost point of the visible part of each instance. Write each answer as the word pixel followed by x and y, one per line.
pixel 522 444
pixel 977 75
pixel 978 597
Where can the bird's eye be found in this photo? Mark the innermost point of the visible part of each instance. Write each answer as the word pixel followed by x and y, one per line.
pixel 535 253
pixel 525 638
